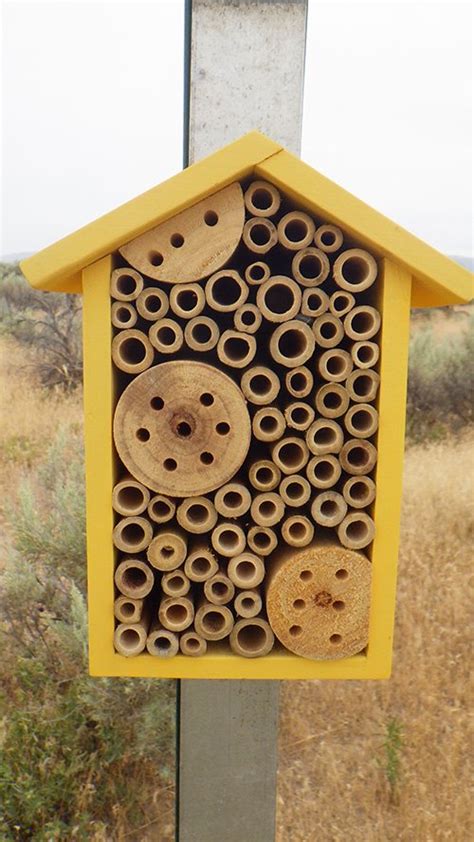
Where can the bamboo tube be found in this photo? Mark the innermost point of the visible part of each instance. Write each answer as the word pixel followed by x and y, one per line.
pixel 168 550
pixel 187 300
pixel 262 540
pixel 329 238
pixel 356 531
pixel 133 578
pixel 299 382
pixel 262 199
pixel 341 303
pixel 193 243
pixel 362 323
pixel 318 601
pixel 175 583
pixel 123 315
pixel 260 235
pixel 197 515
pixel 359 492
pixel 335 365
pixel 268 424
pixel 162 643
pixel 257 273
pixel 125 284
pixel 310 267
pixel 213 622
pixel 355 270
pixel 130 638
pixel 131 351
pixel 290 454
pixel 166 336
pixel 233 499
pixel 161 509
pixel 363 385
pixel 176 613
pixel 248 603
pixel 267 509
pixel 358 457
pixel 219 589
pixel 152 304
pixel 324 436
pixel 328 508
pixel 279 299
pixel 192 644
pixel 201 563
pixel 314 303
pixel 236 349
pixel 260 385
pixel 247 318
pixel 328 330
pixel 228 539
pixel 246 570
pixel 252 638
pixel 299 415
pixel 132 534
pixel 128 610
pixel 292 343
pixel 323 471
pixel 295 230
pixel 361 420
pixel 201 334
pixel 226 291
pixel 365 354
pixel 332 400
pixel 130 497
pixel 297 531
pixel 295 490
pixel 264 475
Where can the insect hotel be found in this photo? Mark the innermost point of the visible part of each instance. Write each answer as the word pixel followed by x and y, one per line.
pixel 246 329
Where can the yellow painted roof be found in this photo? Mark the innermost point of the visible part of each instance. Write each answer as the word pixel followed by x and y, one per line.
pixel 437 279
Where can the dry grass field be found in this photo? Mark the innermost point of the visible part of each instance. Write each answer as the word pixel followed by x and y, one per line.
pixel 359 762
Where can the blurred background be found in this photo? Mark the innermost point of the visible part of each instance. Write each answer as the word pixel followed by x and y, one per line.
pixel 92 115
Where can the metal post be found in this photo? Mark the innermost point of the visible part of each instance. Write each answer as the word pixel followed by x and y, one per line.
pixel 244 70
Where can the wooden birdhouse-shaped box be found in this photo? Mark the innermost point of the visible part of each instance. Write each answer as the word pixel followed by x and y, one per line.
pixel 246 331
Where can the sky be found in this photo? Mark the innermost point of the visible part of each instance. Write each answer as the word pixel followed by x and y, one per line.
pixel 92 110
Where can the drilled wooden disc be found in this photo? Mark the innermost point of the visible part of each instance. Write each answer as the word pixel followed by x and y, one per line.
pixel 318 601
pixel 194 243
pixel 182 428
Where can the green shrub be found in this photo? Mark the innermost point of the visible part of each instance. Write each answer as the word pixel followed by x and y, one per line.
pixel 48 322
pixel 80 756
pixel 440 381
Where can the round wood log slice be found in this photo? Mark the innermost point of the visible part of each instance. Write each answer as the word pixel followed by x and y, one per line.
pixel 318 600
pixel 182 428
pixel 194 243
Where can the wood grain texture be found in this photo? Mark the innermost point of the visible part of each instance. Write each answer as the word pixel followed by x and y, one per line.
pixel 194 243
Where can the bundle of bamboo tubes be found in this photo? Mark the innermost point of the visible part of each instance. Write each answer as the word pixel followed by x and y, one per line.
pixel 245 352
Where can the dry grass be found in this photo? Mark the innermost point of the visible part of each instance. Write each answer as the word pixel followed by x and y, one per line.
pixel 331 784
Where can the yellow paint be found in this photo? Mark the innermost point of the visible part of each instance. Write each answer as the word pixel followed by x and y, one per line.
pixel 99 398
pixel 56 267
pixel 442 281
pixel 437 280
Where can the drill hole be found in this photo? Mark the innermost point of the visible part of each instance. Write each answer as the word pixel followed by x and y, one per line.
pixel 299 604
pixel 143 434
pixel 183 429
pixel 155 258
pixel 341 573
pixel 157 403
pixel 338 605
pixel 170 464
pixel 211 218
pixel 207 399
pixel 306 575
pixel 207 458
pixel 223 428
pixel 295 630
pixel 177 240
pixel 335 638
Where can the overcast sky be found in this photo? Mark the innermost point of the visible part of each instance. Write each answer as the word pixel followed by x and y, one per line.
pixel 93 96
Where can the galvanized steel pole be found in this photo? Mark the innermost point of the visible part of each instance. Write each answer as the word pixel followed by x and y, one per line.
pixel 244 70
